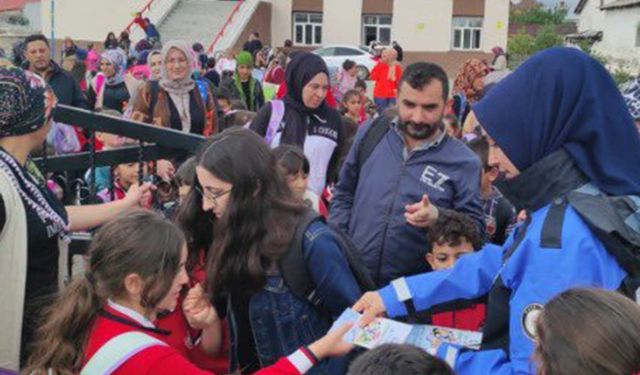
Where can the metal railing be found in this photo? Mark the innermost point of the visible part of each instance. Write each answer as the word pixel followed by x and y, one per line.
pixel 222 31
pixel 153 143
pixel 156 11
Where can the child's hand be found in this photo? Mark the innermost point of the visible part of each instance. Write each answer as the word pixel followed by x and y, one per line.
pixel 198 310
pixel 332 345
pixel 139 194
pixel 165 170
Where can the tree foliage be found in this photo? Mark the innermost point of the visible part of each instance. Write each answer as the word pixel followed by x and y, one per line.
pixel 539 15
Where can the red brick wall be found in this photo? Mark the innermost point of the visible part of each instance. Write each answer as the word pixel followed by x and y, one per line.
pixel 260 22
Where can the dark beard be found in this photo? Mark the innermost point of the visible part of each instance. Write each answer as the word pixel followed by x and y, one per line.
pixel 419 131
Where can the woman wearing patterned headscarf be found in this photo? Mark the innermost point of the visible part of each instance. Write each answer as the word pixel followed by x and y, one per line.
pixel 108 89
pixel 176 100
pixel 32 221
pixel 470 80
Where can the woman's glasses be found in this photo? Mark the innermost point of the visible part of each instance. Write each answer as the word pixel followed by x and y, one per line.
pixel 211 197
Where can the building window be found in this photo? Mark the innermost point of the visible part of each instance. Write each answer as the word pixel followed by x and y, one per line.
pixel 307 29
pixel 376 28
pixel 467 33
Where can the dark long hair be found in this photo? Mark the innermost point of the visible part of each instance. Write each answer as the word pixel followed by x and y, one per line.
pixel 260 218
pixel 589 332
pixel 140 242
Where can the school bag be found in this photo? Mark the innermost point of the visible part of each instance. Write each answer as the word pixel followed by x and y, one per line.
pixel 296 274
pixel 615 221
pixel 117 351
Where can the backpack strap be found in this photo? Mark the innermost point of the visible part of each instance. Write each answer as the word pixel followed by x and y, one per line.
pixel 372 137
pixel 292 265
pixel 117 351
pixel 296 274
pixel 277 114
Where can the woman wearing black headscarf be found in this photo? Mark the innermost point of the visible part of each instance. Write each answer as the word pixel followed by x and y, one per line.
pixel 306 120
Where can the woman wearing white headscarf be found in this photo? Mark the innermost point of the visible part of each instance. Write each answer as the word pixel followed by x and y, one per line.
pixel 109 89
pixel 176 100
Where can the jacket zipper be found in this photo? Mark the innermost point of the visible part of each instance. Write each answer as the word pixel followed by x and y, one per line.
pixel 389 211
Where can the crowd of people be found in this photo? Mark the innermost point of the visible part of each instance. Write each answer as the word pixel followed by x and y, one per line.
pixel 507 204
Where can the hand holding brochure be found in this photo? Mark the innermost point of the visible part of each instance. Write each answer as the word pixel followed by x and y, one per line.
pixel 387 331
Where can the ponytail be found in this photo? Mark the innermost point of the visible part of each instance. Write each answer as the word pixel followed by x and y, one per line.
pixel 61 338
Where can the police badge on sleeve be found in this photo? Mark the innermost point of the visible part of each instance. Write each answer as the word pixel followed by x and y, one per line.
pixel 530 316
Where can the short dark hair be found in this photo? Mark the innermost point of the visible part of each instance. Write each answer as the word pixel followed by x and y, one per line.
pixel 451 228
pixel 186 173
pixel 197 47
pixel 256 34
pixel 398 359
pixel 288 43
pixel 35 38
pixel 480 146
pixel 291 159
pixel 211 62
pixel 420 74
pixel 348 64
pixel 360 84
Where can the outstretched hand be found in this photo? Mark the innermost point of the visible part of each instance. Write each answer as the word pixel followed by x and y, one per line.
pixel 332 345
pixel 371 306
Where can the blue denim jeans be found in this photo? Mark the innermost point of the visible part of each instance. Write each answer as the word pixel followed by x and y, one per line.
pixel 384 103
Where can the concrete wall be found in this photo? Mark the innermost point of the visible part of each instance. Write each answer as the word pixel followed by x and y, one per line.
pixel 280 21
pixel 88 19
pixel 619 39
pixel 342 22
pixel 495 26
pixel 33 13
pixel 591 17
pixel 422 25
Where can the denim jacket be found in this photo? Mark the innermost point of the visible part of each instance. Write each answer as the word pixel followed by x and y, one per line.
pixel 281 322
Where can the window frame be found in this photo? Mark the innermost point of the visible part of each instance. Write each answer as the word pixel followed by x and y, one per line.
pixel 377 25
pixel 308 25
pixel 467 31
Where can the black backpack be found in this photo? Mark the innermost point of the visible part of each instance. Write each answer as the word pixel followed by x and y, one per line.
pixel 296 274
pixel 615 221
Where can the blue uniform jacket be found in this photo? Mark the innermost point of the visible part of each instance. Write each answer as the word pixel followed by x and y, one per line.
pixel 533 273
pixel 369 202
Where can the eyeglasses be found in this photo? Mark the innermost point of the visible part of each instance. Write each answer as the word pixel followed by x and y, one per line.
pixel 211 197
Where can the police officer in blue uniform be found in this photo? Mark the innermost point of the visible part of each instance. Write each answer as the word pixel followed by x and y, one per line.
pixel 560 133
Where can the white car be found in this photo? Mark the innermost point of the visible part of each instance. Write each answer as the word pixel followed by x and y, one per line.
pixel 335 55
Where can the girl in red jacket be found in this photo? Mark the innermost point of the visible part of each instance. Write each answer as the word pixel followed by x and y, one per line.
pixel 102 322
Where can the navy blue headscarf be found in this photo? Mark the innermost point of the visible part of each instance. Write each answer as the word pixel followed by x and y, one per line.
pixel 561 97
pixel 302 68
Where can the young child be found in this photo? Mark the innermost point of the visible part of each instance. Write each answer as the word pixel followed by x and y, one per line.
pixel 398 359
pixel 236 118
pixel 104 322
pixel 295 167
pixel 452 126
pixel 368 109
pixel 352 106
pixel 223 101
pixel 242 86
pixel 500 215
pixel 184 177
pixel 347 78
pixel 105 141
pixel 454 235
pixel 124 175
